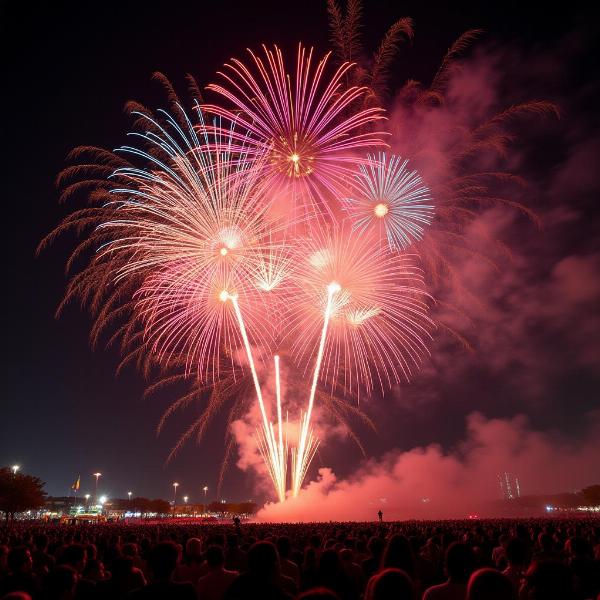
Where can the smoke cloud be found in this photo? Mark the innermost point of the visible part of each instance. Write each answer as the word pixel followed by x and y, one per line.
pixel 428 482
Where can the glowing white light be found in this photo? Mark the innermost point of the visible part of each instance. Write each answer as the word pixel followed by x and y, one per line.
pixel 381 210
pixel 224 296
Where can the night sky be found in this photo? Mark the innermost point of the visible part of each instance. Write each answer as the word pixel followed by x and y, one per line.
pixel 70 67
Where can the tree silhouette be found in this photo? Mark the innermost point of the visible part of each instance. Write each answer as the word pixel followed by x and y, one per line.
pixel 19 492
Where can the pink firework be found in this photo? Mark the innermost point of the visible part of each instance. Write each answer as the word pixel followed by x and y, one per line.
pixel 188 226
pixel 376 306
pixel 308 125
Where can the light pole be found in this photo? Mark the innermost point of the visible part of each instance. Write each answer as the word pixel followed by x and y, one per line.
pixel 175 485
pixel 15 468
pixel 87 497
pixel 97 476
pixel 205 489
pixel 129 496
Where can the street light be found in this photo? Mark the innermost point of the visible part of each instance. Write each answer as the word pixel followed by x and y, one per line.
pixel 205 489
pixel 175 486
pixel 87 497
pixel 185 499
pixel 97 476
pixel 15 468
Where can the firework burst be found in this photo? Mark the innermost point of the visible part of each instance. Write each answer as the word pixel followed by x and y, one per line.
pixel 378 323
pixel 387 196
pixel 309 126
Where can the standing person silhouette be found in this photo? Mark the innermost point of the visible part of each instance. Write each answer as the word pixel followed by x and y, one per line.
pixel 380 515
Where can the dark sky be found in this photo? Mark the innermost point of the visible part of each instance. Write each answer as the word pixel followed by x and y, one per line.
pixel 69 67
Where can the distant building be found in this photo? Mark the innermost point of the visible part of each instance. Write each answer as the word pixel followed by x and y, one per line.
pixel 510 487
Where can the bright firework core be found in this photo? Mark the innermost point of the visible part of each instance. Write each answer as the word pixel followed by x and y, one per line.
pixel 381 209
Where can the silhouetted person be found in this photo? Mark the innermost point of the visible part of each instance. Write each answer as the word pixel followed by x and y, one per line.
pixel 20 573
pixel 263 578
pixel 60 584
pixel 380 515
pixel 517 555
pixel 16 596
pixel 459 563
pixel 370 565
pixel 308 572
pixel 548 580
pixel 235 557
pixel 288 567
pixel 390 584
pixel 43 562
pixel 580 557
pixel 125 578
pixel 217 581
pixel 162 563
pixel 192 567
pixel 398 554
pixel 74 555
pixel 332 575
pixel 352 569
pixel 489 584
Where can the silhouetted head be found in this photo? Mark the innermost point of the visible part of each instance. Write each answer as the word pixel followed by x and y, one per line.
pixel 391 584
pixel 375 547
pixel 74 555
pixel 329 564
pixel 193 548
pixel 549 580
pixel 163 560
pixel 460 562
pixel 489 584
pixel 214 556
pixel 320 593
pixel 516 552
pixel 399 555
pixel 60 582
pixel 19 560
pixel 263 560
pixel 284 546
pixel 121 567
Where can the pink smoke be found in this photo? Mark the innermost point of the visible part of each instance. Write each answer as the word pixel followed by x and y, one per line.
pixel 427 482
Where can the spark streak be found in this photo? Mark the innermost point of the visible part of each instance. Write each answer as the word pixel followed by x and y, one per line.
pixel 274 457
pixel 304 452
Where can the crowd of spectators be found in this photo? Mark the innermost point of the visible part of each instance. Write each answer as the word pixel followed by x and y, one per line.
pixel 411 560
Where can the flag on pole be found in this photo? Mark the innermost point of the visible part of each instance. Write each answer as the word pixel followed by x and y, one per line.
pixel 75 486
